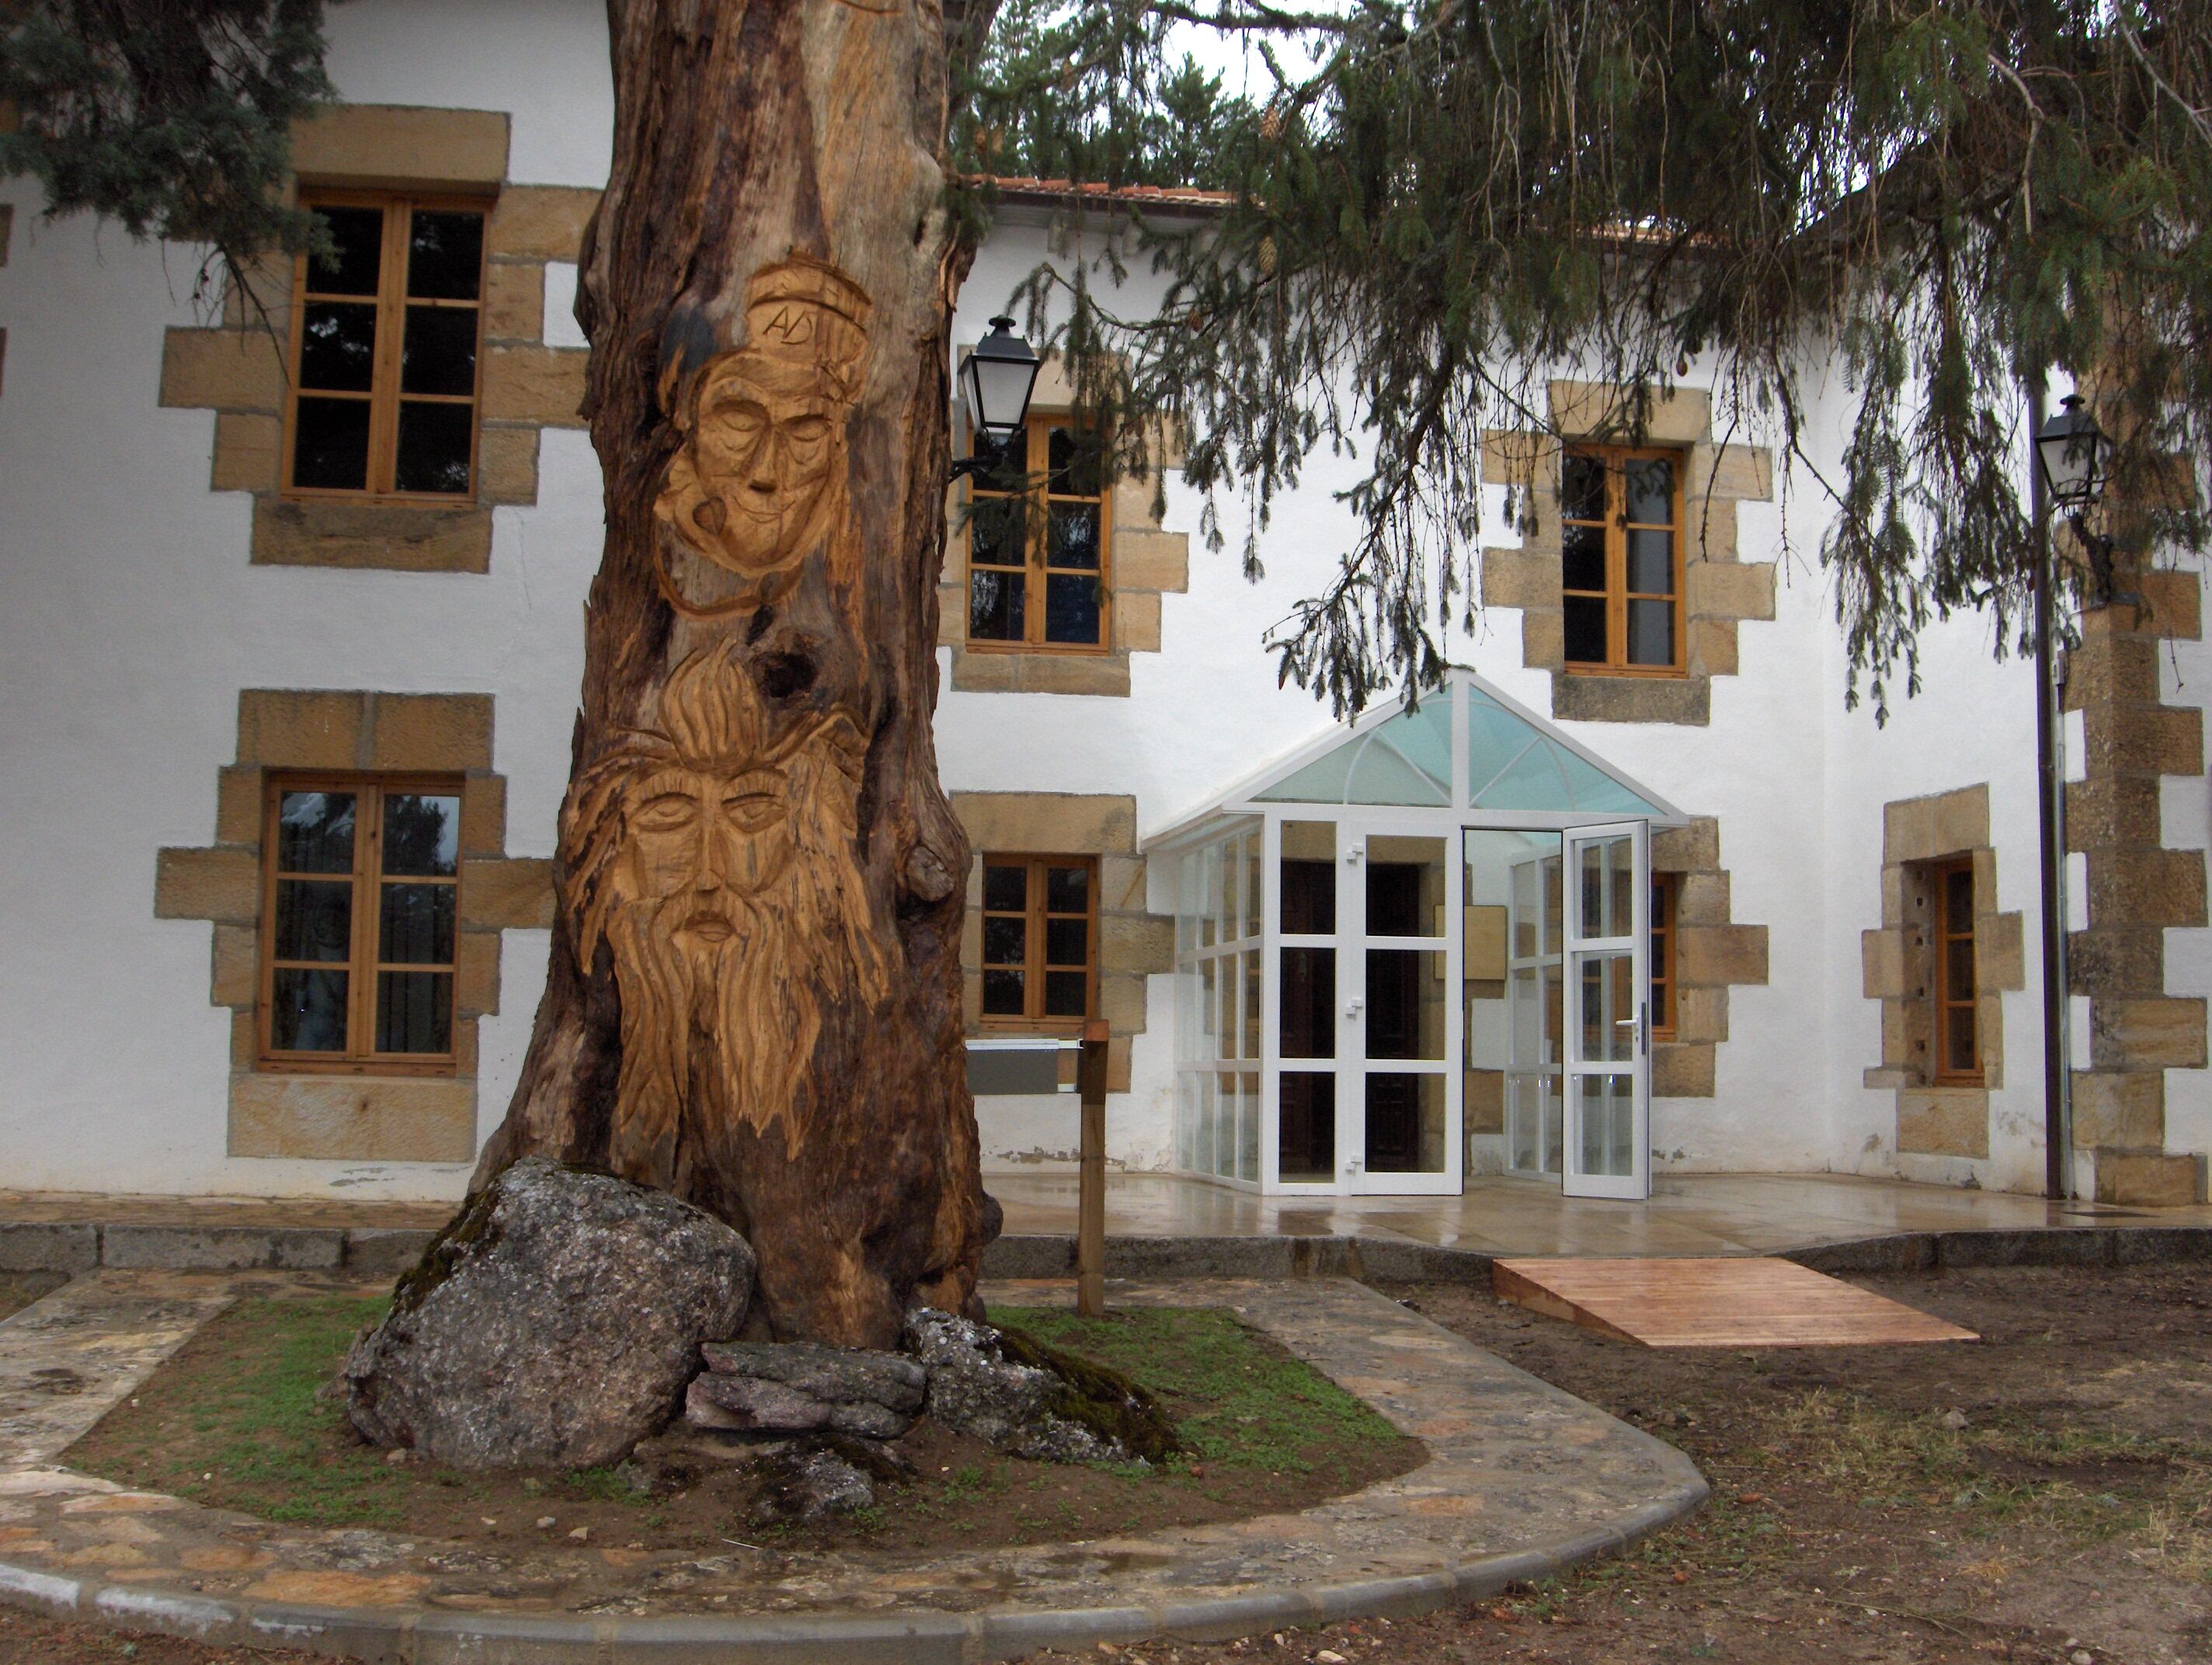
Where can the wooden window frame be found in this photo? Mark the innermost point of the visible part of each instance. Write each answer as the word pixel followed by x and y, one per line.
pixel 1035 550
pixel 361 964
pixel 1617 527
pixel 1666 894
pixel 1948 1011
pixel 384 396
pixel 1034 1020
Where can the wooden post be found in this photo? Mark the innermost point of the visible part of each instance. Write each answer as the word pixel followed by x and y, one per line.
pixel 1090 1205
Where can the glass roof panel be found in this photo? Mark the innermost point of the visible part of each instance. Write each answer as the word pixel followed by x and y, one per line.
pixel 1514 762
pixel 1405 761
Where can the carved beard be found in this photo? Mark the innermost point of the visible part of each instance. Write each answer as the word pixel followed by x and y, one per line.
pixel 717 1035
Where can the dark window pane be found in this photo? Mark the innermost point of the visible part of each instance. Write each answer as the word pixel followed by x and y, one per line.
pixel 421 833
pixel 438 354
pixel 1585 629
pixel 330 445
pixel 1582 551
pixel 1006 468
pixel 358 233
pixel 1075 536
pixel 1067 889
pixel 994 606
pixel 1582 488
pixel 994 531
pixel 1005 939
pixel 1309 1011
pixel 337 346
pixel 434 446
pixel 1394 899
pixel 418 924
pixel 1067 942
pixel 1005 889
pixel 314 832
pixel 1959 969
pixel 1071 607
pixel 1067 994
pixel 1002 994
pixel 1958 903
pixel 1308 898
pixel 1959 1041
pixel 1071 463
pixel 445 255
pixel 1651 563
pixel 1650 633
pixel 308 1011
pixel 314 920
pixel 414 1011
pixel 1651 492
pixel 1305 1140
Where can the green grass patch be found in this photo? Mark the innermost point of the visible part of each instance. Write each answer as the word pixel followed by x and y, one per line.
pixel 1238 1399
pixel 251 1435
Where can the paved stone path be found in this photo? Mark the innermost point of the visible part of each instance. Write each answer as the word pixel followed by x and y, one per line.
pixel 1522 1479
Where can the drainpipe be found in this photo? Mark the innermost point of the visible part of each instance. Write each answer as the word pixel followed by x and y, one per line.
pixel 2057 1077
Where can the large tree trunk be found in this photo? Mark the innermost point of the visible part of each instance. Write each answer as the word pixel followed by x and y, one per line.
pixel 753 1000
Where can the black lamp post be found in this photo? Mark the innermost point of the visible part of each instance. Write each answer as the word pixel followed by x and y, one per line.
pixel 995 383
pixel 2076 456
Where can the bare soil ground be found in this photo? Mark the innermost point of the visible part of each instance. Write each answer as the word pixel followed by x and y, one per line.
pixel 2043 1495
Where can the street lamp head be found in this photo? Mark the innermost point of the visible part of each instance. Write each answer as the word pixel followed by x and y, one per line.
pixel 2073 451
pixel 996 382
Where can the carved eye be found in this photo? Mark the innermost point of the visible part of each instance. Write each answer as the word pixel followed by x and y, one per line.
pixel 745 419
pixel 806 435
pixel 753 811
pixel 672 812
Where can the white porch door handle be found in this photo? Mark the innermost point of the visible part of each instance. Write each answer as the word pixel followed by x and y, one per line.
pixel 1352 1006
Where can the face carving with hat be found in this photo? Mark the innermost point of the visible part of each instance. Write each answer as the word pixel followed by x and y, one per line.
pixel 758 483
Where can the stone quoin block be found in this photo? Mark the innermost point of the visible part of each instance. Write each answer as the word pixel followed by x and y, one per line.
pixel 388 145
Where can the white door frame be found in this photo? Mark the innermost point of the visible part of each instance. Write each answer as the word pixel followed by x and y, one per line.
pixel 1353 1065
pixel 1579 945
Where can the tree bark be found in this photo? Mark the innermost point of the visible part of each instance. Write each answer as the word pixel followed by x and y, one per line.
pixel 754 997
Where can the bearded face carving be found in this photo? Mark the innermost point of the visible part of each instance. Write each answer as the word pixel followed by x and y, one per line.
pixel 717 862
pixel 758 484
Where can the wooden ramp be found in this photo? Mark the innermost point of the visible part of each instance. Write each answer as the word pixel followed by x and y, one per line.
pixel 1715 1302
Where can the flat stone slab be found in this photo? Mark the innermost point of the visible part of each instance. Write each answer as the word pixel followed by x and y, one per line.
pixel 1522 1480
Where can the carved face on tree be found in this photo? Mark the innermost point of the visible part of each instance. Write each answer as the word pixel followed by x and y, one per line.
pixel 758 484
pixel 718 863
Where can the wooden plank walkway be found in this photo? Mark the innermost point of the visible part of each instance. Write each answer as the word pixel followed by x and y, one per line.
pixel 1732 1302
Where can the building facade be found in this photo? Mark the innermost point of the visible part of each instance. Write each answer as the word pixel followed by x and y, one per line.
pixel 290 639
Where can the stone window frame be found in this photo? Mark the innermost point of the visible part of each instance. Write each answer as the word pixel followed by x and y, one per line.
pixel 236 366
pixel 1711 952
pixel 1897 969
pixel 1145 561
pixel 359 1117
pixel 1131 944
pixel 1720 590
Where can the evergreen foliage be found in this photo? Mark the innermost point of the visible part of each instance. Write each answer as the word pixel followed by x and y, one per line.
pixel 1936 200
pixel 169 117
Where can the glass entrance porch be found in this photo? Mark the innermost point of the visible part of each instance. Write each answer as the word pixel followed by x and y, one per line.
pixel 1413 952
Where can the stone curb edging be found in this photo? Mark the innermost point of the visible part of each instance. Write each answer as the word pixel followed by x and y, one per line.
pixel 396 1635
pixel 388 1251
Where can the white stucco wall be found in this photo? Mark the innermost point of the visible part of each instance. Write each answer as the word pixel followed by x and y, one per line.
pixel 130 620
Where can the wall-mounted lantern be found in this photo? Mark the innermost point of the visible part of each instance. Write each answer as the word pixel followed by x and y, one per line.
pixel 995 383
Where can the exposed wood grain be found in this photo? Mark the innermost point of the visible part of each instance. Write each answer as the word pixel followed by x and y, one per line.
pixel 766 285
pixel 1744 1302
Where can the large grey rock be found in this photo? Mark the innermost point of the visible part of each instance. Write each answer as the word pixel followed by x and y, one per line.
pixel 797 1387
pixel 553 1324
pixel 1024 1398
